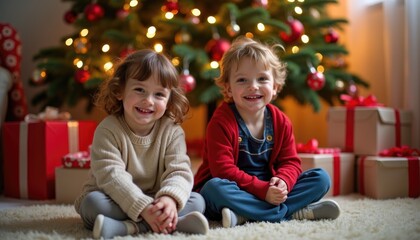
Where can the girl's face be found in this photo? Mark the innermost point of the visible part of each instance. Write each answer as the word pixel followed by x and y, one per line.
pixel 251 86
pixel 144 103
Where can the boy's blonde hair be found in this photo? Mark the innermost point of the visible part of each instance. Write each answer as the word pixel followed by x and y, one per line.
pixel 140 65
pixel 258 52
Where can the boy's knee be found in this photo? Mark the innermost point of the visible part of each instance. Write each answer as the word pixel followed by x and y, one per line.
pixel 323 178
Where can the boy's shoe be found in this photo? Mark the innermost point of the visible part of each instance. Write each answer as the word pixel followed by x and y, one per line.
pixel 107 228
pixel 194 223
pixel 325 209
pixel 230 219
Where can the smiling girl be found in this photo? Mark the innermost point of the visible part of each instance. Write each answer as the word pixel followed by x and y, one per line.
pixel 140 178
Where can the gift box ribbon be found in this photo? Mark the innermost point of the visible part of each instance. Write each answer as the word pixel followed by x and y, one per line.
pixel 359 101
pixel 312 147
pixel 73 135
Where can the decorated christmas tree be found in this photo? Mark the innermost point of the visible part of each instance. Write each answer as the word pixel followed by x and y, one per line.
pixel 195 35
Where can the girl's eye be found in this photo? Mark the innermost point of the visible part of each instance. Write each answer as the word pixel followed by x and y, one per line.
pixel 141 90
pixel 159 94
pixel 241 80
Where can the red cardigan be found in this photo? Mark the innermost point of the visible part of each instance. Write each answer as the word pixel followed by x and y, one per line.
pixel 221 150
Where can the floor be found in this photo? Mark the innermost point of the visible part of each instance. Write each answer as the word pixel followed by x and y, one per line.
pixel 6 202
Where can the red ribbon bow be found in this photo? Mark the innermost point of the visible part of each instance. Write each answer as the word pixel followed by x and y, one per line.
pixel 359 101
pixel 312 147
pixel 404 151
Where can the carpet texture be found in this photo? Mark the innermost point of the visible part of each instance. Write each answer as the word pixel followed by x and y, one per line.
pixel 361 218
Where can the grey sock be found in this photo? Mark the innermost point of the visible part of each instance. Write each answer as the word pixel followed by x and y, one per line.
pixel 107 228
pixel 194 223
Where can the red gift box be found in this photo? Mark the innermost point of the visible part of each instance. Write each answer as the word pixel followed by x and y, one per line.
pixel 33 150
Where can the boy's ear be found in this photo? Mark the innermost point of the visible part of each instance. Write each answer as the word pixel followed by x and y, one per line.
pixel 276 89
pixel 228 89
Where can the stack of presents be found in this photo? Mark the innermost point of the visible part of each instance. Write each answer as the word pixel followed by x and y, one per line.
pixel 46 156
pixel 370 151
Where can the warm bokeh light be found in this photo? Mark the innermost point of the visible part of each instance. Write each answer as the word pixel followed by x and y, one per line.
pixel 69 41
pixel 295 49
pixel 261 27
pixel 169 15
pixel 211 20
pixel 304 38
pixel 175 61
pixel 196 12
pixel 105 48
pixel 298 10
pixel 84 32
pixel 214 64
pixel 320 68
pixel 108 66
pixel 158 47
pixel 134 3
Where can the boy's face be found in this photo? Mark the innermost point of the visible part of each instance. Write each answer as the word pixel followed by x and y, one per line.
pixel 251 85
pixel 144 103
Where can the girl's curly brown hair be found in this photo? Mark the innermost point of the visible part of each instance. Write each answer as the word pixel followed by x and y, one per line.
pixel 140 65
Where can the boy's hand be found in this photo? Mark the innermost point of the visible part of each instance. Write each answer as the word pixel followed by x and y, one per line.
pixel 277 192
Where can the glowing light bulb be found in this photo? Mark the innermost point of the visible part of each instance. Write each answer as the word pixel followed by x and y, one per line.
pixel 158 47
pixel 261 27
pixel 105 48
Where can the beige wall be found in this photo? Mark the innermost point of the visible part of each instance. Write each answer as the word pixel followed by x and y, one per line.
pixel 40 25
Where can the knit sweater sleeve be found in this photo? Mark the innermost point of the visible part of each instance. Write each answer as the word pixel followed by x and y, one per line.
pixel 109 169
pixel 177 178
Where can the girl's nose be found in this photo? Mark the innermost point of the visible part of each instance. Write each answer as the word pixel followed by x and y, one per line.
pixel 148 99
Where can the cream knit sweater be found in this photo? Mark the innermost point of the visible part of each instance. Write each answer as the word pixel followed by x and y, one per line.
pixel 133 170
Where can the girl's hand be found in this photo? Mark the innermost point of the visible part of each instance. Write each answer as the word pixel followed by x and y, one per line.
pixel 150 215
pixel 169 216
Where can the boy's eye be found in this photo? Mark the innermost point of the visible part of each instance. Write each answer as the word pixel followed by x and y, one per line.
pixel 262 79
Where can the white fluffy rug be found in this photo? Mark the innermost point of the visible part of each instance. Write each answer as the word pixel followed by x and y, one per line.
pixel 361 218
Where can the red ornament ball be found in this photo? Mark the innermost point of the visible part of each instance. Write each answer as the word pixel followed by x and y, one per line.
pixel 171 6
pixel 122 14
pixel 187 82
pixel 216 48
pixel 81 75
pixel 331 36
pixel 125 52
pixel 94 12
pixel 296 31
pixel 315 80
pixel 70 16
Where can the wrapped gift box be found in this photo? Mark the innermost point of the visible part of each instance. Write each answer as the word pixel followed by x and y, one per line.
pixel 371 129
pixel 340 167
pixel 388 177
pixel 69 183
pixel 79 159
pixel 33 150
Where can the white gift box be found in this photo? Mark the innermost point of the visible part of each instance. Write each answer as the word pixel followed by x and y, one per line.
pixel 388 177
pixel 374 129
pixel 69 183
pixel 340 168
